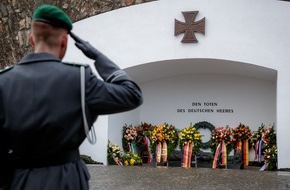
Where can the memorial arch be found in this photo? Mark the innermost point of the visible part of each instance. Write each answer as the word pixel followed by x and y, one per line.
pixel 236 72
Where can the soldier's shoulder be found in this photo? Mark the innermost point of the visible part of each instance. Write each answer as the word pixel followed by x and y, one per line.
pixel 75 64
pixel 5 69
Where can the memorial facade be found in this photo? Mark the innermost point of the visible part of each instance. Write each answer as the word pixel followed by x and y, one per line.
pixel 220 61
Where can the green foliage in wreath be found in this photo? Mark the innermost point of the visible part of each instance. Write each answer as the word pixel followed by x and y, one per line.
pixel 270 148
pixel 205 125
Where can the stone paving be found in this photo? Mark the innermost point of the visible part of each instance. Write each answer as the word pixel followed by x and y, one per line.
pixel 177 178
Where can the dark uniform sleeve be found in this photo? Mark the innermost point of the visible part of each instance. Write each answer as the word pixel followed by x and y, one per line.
pixel 5 167
pixel 116 93
pixel 5 170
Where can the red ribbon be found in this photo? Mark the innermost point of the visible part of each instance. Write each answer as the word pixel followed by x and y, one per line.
pixel 146 142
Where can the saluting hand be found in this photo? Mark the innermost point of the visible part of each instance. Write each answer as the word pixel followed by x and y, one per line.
pixel 85 46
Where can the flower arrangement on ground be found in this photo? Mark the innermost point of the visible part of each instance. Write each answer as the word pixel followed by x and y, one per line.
pixel 270 156
pixel 129 138
pixel 190 135
pixel 270 148
pixel 241 136
pixel 116 156
pixel 114 153
pixel 164 139
pixel 130 159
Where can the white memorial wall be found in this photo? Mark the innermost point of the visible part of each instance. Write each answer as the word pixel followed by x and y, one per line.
pixel 237 72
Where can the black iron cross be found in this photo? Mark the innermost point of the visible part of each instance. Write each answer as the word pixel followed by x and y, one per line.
pixel 189 27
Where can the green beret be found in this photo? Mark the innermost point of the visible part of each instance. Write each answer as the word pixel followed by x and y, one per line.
pixel 52 15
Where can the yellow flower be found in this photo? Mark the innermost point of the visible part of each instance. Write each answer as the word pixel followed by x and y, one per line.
pixel 132 161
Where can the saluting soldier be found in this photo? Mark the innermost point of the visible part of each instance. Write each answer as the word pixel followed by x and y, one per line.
pixel 41 121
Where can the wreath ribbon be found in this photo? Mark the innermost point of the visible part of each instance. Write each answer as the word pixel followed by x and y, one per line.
pixel 161 152
pixel 244 147
pixel 186 156
pixel 220 158
pixel 164 151
pixel 133 147
pixel 258 150
pixel 158 152
pixel 147 146
pixel 246 152
pixel 239 145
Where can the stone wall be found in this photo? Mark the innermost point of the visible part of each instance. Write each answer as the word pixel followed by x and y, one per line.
pixel 15 20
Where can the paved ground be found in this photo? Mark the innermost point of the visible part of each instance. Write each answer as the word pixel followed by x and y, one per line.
pixel 176 178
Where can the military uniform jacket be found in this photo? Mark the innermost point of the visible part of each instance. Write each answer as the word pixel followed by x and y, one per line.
pixel 41 118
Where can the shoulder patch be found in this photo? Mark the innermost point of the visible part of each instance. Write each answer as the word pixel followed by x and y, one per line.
pixel 75 64
pixel 6 69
